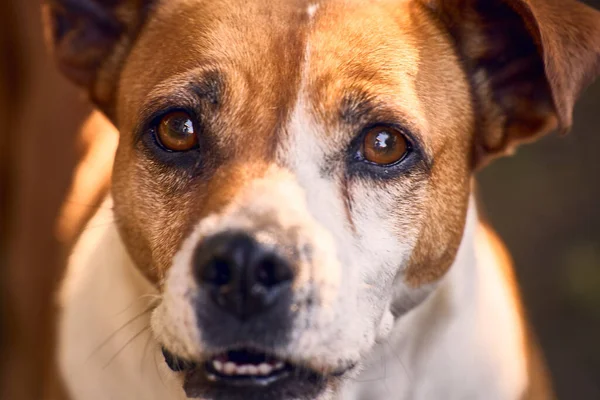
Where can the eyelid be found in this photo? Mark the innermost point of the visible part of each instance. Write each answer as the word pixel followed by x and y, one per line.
pixel 150 122
pixel 410 138
pixel 416 158
pixel 159 105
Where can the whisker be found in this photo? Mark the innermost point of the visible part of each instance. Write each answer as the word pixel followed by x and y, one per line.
pixel 375 379
pixel 154 298
pixel 145 329
pixel 397 357
pixel 144 352
pixel 158 371
pixel 142 365
pixel 384 380
pixel 115 333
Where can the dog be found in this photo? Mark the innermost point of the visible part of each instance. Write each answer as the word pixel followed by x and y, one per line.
pixel 292 211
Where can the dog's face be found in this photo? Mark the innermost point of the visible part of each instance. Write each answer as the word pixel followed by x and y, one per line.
pixel 295 175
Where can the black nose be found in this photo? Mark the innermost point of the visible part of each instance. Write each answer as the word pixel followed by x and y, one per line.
pixel 243 276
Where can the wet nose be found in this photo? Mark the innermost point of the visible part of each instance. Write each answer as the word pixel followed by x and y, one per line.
pixel 244 277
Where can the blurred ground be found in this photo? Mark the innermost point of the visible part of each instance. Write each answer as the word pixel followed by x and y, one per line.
pixel 544 202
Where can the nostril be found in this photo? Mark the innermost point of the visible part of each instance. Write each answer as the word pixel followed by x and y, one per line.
pixel 240 274
pixel 272 271
pixel 218 272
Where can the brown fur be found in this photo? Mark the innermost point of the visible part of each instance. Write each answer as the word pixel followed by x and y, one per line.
pixel 254 112
pixel 485 125
pixel 470 79
pixel 528 93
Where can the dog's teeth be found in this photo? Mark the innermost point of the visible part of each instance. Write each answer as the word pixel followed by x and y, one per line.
pixel 218 365
pixel 243 370
pixel 251 370
pixel 222 366
pixel 229 368
pixel 264 369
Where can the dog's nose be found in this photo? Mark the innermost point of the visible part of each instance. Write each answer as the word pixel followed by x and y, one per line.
pixel 243 276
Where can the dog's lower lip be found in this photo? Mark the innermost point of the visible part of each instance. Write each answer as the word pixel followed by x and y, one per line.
pixel 231 365
pixel 239 373
pixel 175 363
pixel 236 367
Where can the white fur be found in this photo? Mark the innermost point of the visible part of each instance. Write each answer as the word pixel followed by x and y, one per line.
pixel 278 198
pixel 464 342
pixel 102 354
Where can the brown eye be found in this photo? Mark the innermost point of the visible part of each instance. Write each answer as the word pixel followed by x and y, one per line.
pixel 176 132
pixel 384 145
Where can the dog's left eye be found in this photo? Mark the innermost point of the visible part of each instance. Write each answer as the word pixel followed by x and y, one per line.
pixel 384 146
pixel 176 132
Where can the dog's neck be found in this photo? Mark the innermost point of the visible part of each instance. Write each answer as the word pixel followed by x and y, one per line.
pixel 466 340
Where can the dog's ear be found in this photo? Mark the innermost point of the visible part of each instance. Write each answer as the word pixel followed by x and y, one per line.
pixel 528 60
pixel 89 40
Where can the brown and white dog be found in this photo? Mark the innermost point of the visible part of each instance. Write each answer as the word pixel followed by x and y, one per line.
pixel 291 213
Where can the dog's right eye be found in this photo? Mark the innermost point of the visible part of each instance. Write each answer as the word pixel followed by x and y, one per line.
pixel 384 146
pixel 176 132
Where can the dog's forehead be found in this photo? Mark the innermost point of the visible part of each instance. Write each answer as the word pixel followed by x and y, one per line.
pixel 339 48
pixel 362 56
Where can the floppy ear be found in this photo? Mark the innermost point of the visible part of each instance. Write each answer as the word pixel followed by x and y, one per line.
pixel 89 40
pixel 528 61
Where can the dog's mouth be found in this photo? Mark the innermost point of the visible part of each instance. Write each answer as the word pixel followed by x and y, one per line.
pixel 248 374
pixel 247 367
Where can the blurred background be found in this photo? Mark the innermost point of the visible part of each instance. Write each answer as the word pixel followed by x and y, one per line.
pixel 544 203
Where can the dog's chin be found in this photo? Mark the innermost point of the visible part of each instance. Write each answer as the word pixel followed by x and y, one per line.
pixel 244 374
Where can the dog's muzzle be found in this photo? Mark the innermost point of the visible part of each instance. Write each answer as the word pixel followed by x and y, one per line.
pixel 245 310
